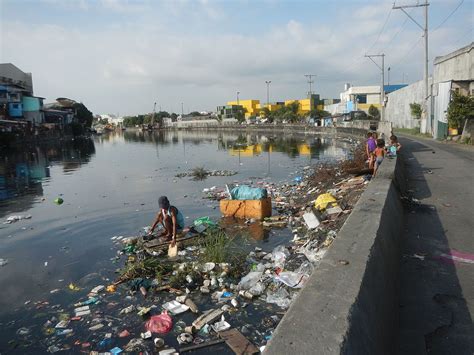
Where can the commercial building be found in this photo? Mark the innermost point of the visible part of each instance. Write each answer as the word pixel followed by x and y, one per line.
pixel 359 98
pixel 253 108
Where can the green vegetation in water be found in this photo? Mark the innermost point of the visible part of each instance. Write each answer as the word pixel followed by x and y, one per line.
pixel 218 247
pixel 199 173
pixel 148 268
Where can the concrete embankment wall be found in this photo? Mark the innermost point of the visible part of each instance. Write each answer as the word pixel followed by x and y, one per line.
pixel 293 128
pixel 356 128
pixel 350 303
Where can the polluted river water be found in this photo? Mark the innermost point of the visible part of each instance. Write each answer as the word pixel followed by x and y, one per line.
pixel 56 253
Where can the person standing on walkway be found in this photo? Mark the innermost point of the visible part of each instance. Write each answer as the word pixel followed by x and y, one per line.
pixel 379 154
pixel 370 146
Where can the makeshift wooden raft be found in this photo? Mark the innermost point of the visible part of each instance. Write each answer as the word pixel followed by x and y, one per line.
pixel 155 245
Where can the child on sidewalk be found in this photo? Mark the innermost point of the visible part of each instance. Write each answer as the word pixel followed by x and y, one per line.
pixel 379 154
pixel 394 146
pixel 370 146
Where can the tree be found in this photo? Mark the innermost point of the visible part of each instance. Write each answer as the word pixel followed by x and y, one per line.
pixel 174 117
pixel 374 113
pixel 84 116
pixel 460 108
pixel 415 110
pixel 239 114
pixel 318 114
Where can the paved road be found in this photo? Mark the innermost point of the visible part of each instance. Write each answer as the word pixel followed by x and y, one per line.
pixel 437 296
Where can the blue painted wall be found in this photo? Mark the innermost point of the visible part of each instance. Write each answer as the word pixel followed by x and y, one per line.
pixel 31 104
pixel 15 109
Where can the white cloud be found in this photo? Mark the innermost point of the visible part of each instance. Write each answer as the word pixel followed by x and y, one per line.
pixel 126 68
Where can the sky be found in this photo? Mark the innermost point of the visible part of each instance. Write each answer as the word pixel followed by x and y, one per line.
pixel 121 56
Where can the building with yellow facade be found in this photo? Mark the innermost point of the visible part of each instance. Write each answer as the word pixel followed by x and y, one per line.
pixel 251 107
pixel 254 107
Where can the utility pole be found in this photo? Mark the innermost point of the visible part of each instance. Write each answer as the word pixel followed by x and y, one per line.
pixel 310 82
pixel 388 74
pixel 182 110
pixel 268 91
pixel 382 89
pixel 425 76
pixel 238 102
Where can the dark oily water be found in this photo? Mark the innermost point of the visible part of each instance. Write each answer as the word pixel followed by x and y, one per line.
pixel 110 186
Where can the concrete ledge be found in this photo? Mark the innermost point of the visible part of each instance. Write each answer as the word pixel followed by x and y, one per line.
pixel 353 308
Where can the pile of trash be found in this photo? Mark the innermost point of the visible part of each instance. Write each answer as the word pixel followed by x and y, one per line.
pixel 212 292
pixel 203 172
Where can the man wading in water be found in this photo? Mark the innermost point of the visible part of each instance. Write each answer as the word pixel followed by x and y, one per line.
pixel 171 219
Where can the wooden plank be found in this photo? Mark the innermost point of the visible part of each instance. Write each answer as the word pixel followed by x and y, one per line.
pixel 238 343
pixel 202 345
pixel 207 317
pixel 158 244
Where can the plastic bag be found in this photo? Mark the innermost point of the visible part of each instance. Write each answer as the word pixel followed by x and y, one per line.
pixel 249 280
pixel 257 289
pixel 279 255
pixel 205 221
pixel 324 200
pixel 280 297
pixel 297 278
pixel 245 192
pixel 161 323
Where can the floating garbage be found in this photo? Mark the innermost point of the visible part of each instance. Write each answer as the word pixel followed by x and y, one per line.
pixel 221 325
pixel 174 307
pixel 13 219
pixel 311 220
pixel 58 201
pixel 324 200
pixel 279 255
pixel 249 280
pixel 185 338
pixel 3 262
pixel 281 297
pixel 161 323
pixel 159 342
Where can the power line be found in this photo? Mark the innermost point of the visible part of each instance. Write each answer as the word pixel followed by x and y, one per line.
pixel 396 34
pixel 451 14
pixel 381 31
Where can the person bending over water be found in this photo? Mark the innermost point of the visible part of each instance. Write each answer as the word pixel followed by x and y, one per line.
pixel 170 218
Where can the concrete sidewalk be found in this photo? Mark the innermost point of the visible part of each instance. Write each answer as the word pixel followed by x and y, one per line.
pixel 436 295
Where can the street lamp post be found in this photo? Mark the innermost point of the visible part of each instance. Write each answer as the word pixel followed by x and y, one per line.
pixel 268 91
pixel 238 102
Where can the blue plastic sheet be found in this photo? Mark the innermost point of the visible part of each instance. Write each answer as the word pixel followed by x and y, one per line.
pixel 245 192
